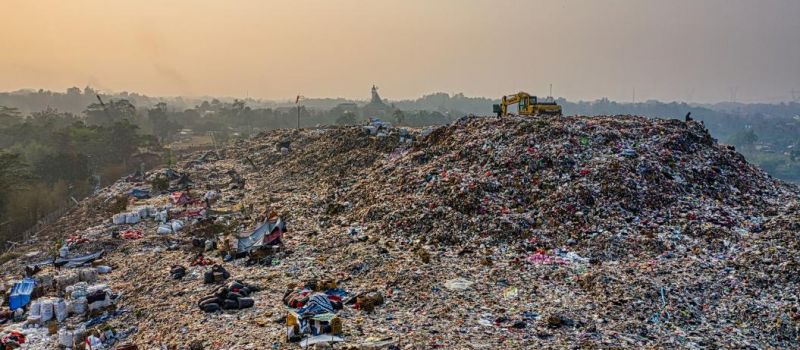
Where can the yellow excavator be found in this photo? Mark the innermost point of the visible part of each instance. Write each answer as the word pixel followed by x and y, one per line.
pixel 527 105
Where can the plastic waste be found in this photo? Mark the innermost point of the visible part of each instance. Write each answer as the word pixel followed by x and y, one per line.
pixel 458 284
pixel 79 306
pixel 119 219
pixel 177 225
pixel 21 293
pixel 65 338
pixel 36 309
pixel 63 251
pixel 60 308
pixel 132 218
pixel 47 310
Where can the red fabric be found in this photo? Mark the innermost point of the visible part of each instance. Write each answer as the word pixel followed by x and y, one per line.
pixel 274 235
pixel 202 261
pixel 14 336
pixel 76 239
pixel 132 234
pixel 181 198
pixel 189 213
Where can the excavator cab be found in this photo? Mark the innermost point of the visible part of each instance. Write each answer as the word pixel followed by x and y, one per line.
pixel 496 109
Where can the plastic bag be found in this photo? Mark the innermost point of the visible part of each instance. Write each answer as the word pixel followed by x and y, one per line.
pixel 47 310
pixel 60 310
pixel 132 218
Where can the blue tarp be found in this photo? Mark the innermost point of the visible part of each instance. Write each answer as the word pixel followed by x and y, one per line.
pixel 21 293
pixel 140 193
pixel 265 234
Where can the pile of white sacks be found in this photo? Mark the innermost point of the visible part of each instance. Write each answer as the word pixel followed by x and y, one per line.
pixel 149 212
pixel 139 214
pixel 76 303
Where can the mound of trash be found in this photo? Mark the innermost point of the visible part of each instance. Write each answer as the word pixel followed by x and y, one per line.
pixel 512 233
pixel 607 186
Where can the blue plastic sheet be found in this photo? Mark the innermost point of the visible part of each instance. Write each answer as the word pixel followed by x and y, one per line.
pixel 21 293
pixel 140 193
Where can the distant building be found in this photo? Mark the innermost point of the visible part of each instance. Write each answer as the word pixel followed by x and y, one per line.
pixel 376 107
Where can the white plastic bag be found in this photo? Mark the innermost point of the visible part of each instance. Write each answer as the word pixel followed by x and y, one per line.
pixel 65 338
pixel 161 216
pixel 94 343
pixel 60 310
pixel 79 306
pixel 132 218
pixel 143 212
pixel 177 225
pixel 36 309
pixel 47 310
pixel 119 219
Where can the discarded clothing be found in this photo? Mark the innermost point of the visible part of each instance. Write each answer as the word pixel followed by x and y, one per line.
pixel 132 234
pixel 317 304
pixel 269 233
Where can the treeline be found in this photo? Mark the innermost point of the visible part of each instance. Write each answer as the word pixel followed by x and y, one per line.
pixel 238 119
pixel 49 158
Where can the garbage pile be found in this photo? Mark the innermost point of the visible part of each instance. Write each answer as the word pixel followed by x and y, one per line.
pixel 512 233
pixel 590 184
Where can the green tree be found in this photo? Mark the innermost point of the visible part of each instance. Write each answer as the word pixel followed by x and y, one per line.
pixel 771 163
pixel 347 118
pixel 399 117
pixel 743 138
pixel 14 176
pixel 161 122
pixel 9 116
pixel 110 112
pixel 124 140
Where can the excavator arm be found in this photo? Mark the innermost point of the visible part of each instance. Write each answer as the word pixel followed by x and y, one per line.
pixel 502 108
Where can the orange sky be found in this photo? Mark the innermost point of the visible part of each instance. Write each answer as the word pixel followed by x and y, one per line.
pixel 697 50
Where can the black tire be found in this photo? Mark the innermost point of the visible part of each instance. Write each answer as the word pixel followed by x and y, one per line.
pixel 246 303
pixel 210 307
pixel 208 277
pixel 229 304
pixel 207 300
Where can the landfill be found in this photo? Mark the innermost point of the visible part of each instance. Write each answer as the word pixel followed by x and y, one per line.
pixel 486 233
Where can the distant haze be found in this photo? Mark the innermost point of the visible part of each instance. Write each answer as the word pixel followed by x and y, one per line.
pixel 691 50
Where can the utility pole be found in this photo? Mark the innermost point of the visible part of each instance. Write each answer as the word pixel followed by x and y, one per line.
pixel 214 140
pixel 297 102
pixel 733 90
pixel 794 95
pixel 551 90
pixel 634 95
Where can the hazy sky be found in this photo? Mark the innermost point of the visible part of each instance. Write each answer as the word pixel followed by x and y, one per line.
pixel 696 50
